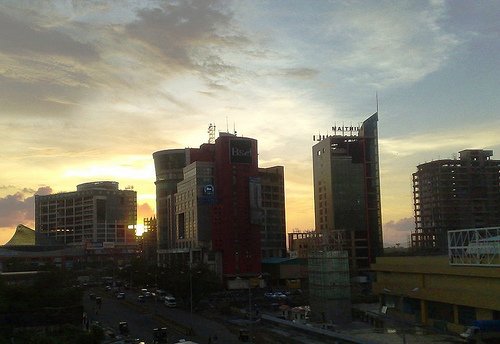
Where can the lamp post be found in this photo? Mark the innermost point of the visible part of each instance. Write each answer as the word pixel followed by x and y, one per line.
pixel 401 298
pixel 156 293
pixel 191 296
pixel 250 308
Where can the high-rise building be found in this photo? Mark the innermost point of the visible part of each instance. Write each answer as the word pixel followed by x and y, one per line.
pixel 451 194
pixel 209 205
pixel 273 236
pixel 347 193
pixel 97 214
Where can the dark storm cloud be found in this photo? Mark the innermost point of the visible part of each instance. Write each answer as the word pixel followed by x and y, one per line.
pixel 23 38
pixel 16 209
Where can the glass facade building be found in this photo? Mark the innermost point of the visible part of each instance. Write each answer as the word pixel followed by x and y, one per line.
pixel 347 193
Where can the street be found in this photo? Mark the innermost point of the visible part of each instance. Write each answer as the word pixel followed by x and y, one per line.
pixel 141 318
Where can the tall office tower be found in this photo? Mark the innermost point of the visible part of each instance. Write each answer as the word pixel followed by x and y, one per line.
pixel 98 213
pixel 273 236
pixel 209 205
pixel 452 194
pixel 347 193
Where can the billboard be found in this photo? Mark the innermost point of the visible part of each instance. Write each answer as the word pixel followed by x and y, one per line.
pixel 240 151
pixel 255 195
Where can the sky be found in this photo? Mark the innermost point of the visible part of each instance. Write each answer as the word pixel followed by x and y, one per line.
pixel 90 89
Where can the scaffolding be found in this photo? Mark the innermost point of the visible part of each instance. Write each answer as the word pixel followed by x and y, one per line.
pixel 474 247
pixel 329 286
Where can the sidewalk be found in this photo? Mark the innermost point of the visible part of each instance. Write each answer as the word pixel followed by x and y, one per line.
pixel 388 335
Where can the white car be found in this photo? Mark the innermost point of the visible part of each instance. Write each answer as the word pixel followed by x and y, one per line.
pixel 170 301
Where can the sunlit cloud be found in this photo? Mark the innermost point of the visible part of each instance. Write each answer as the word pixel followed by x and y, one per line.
pixel 390 43
pixel 140 169
pixel 90 89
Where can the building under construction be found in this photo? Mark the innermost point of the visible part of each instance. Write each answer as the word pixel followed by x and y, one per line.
pixel 329 286
pixel 453 194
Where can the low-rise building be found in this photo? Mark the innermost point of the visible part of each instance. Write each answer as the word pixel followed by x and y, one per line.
pixel 431 291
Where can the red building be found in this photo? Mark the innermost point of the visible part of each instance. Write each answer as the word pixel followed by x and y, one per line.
pixel 209 206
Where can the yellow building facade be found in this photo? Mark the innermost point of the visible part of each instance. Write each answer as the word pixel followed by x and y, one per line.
pixel 429 291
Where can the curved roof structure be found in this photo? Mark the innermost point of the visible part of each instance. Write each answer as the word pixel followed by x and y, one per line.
pixel 23 236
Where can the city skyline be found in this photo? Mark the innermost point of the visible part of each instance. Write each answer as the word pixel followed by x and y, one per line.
pixel 89 90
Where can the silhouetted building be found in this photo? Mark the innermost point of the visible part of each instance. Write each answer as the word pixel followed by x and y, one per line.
pixel 148 242
pixel 347 193
pixel 273 236
pixel 301 243
pixel 452 194
pixel 209 205
pixel 97 215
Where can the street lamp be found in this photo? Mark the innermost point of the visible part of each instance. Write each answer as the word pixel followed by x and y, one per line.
pixel 401 300
pixel 250 307
pixel 191 296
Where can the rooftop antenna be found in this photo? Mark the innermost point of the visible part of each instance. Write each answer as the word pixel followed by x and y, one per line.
pixel 227 126
pixel 234 129
pixel 376 98
pixel 211 133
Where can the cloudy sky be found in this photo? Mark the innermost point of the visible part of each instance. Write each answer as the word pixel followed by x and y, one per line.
pixel 90 89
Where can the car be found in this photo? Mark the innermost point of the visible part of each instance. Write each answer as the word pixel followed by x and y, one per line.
pixel 279 295
pixel 160 335
pixel 244 335
pixel 170 301
pixel 269 295
pixel 123 327
pixel 141 298
pixel 147 295
pixel 120 296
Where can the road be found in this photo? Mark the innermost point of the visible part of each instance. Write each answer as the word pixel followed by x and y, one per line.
pixel 142 318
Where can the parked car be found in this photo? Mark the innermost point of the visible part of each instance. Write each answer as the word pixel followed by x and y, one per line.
pixel 141 298
pixel 120 296
pixel 279 295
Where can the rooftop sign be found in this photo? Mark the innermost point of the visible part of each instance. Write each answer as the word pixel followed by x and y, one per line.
pixel 342 130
